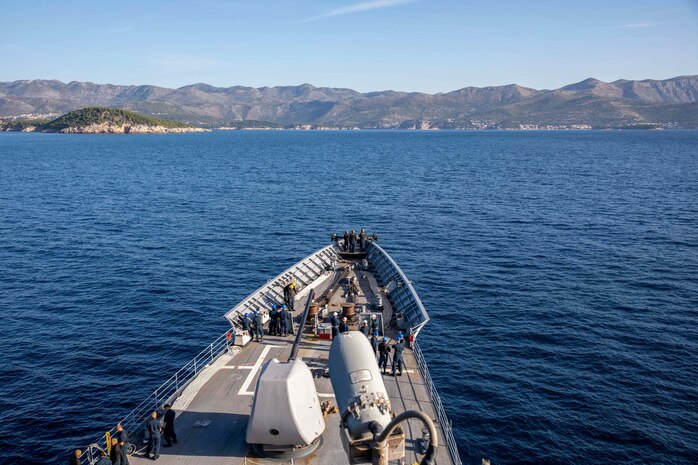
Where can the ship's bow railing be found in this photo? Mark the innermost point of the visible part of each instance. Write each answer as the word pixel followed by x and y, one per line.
pixel 166 393
pixel 444 422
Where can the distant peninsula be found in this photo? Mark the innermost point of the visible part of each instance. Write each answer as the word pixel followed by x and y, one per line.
pixel 100 120
pixel 589 104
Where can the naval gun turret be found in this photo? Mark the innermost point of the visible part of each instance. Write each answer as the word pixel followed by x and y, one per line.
pixel 286 420
pixel 370 430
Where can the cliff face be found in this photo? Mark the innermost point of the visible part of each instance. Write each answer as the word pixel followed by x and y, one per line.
pixel 589 102
pixel 110 128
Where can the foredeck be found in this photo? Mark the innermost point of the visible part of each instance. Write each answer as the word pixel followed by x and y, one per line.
pixel 212 411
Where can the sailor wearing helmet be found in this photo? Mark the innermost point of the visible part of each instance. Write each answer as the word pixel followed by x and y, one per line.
pixel 335 325
pixel 343 326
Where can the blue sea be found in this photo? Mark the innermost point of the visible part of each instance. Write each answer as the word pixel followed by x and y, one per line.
pixel 560 271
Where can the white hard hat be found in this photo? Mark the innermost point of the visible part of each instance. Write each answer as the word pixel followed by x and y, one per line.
pixel 373 317
pixel 365 321
pixel 334 313
pixel 344 318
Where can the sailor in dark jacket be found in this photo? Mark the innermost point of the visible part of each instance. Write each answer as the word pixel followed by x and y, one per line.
pixel 121 434
pixel 103 459
pixel 170 435
pixel 352 241
pixel 374 323
pixel 374 343
pixel 334 321
pixel 152 426
pixel 383 354
pixel 75 457
pixel 398 347
pixel 346 240
pixel 115 452
pixel 283 320
pixel 343 326
pixel 273 320
pixel 258 326
pixel 247 323
pixel 364 328
pixel 123 453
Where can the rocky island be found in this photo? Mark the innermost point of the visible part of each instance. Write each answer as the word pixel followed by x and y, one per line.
pixel 101 120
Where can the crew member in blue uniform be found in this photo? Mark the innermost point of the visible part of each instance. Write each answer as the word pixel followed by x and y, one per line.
pixel 153 429
pixel 374 343
pixel 374 323
pixel 122 436
pixel 258 326
pixel 343 326
pixel 334 321
pixel 247 324
pixel 383 354
pixel 283 320
pixel 75 457
pixel 364 328
pixel 273 321
pixel 398 347
pixel 169 431
pixel 115 452
pixel 103 459
pixel 123 453
pixel 352 241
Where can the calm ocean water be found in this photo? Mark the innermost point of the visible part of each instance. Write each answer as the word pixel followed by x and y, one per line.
pixel 560 270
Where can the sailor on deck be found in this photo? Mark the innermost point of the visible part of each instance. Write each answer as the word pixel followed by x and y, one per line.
pixel 343 326
pixel 398 347
pixel 374 343
pixel 289 322
pixel 258 326
pixel 123 453
pixel 170 435
pixel 247 323
pixel 362 239
pixel 122 436
pixel 153 429
pixel 384 353
pixel 334 321
pixel 103 459
pixel 115 452
pixel 290 294
pixel 352 241
pixel 364 328
pixel 346 240
pixel 75 457
pixel 273 321
pixel 374 323
pixel 283 321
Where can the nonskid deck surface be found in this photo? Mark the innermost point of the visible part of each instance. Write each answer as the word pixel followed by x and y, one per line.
pixel 222 395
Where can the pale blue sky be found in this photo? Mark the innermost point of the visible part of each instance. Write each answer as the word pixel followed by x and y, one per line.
pixel 427 45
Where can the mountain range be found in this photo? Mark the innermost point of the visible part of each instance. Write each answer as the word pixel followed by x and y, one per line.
pixel 593 103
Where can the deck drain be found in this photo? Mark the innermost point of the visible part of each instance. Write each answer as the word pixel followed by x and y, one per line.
pixel 235 376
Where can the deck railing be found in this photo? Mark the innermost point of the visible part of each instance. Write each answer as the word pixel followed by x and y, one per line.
pixel 166 393
pixel 438 405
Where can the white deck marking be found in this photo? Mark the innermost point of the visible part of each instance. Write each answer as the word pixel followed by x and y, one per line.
pixel 243 389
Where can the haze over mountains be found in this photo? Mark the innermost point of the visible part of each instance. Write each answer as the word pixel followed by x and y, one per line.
pixel 662 103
